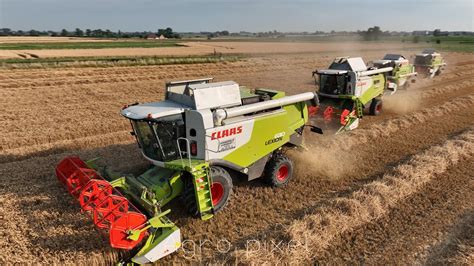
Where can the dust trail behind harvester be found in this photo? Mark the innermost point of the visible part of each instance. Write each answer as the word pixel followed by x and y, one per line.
pixel 329 162
pixel 323 156
pixel 317 230
pixel 402 103
pixel 332 157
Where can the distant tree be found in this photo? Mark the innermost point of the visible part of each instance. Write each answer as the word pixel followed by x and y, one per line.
pixel 371 34
pixel 64 33
pixel 5 32
pixel 437 32
pixel 225 33
pixel 33 33
pixel 20 33
pixel 416 39
pixel 97 33
pixel 88 32
pixel 78 32
pixel 210 36
pixel 168 33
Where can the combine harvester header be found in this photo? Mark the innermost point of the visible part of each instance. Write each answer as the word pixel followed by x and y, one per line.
pixel 193 139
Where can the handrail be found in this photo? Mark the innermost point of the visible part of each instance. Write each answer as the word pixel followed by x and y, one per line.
pixel 188 148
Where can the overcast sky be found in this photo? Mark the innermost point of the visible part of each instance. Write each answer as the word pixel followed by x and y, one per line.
pixel 237 15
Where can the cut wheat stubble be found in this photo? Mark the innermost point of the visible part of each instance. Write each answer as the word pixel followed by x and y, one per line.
pixel 315 232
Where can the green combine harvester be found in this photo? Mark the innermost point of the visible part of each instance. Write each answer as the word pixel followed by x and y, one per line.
pixel 402 74
pixel 429 63
pixel 193 139
pixel 348 89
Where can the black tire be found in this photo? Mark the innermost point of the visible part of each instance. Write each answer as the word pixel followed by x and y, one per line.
pixel 222 177
pixel 406 86
pixel 219 176
pixel 188 197
pixel 376 106
pixel 349 105
pixel 279 171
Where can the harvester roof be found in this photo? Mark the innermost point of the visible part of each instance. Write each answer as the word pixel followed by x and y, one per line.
pixel 348 63
pixel 390 60
pixel 200 96
pixel 153 110
pixel 394 57
pixel 428 52
pixel 188 95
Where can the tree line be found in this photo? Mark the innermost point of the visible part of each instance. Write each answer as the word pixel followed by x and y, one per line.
pixel 96 33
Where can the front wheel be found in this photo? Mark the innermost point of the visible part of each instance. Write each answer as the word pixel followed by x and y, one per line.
pixel 221 187
pixel 406 85
pixel 376 106
pixel 279 170
pixel 221 190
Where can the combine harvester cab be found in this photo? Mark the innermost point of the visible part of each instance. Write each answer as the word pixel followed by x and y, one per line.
pixel 345 90
pixel 193 139
pixel 402 74
pixel 429 63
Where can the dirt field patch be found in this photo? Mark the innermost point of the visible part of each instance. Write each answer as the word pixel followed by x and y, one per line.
pixel 204 48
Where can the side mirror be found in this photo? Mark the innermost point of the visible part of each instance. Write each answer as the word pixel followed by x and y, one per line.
pixel 316 80
pixel 316 130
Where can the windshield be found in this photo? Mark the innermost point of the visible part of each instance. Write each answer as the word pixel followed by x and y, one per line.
pixel 332 84
pixel 158 139
pixel 422 60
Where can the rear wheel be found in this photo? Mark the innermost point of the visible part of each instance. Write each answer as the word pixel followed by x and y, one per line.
pixel 376 106
pixel 279 170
